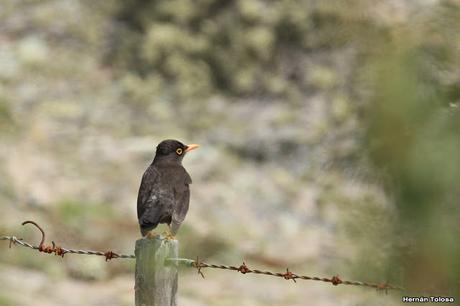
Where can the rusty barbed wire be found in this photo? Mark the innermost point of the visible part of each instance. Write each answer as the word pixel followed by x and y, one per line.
pixel 288 275
pixel 58 250
pixel 197 264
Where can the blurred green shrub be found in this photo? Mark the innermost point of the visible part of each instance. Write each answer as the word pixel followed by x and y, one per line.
pixel 414 139
pixel 6 116
pixel 192 243
pixel 76 214
pixel 5 301
pixel 237 48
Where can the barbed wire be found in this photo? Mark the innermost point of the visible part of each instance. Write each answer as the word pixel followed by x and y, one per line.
pixel 60 251
pixel 197 264
pixel 288 275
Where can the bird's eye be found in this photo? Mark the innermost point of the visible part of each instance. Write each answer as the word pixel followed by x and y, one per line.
pixel 179 151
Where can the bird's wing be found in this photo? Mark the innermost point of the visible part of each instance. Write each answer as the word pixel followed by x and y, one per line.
pixel 147 199
pixel 181 198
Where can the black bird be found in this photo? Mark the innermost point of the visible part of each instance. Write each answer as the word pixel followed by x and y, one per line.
pixel 164 193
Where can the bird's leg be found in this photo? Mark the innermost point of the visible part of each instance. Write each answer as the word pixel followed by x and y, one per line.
pixel 168 234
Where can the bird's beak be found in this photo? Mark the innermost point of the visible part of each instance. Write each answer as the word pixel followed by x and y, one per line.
pixel 191 147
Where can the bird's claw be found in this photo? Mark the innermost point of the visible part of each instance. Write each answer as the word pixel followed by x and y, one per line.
pixel 169 236
pixel 151 235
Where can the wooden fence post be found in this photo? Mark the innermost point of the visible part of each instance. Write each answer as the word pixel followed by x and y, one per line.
pixel 156 282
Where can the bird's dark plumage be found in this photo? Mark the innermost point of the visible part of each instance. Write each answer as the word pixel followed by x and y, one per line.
pixel 164 193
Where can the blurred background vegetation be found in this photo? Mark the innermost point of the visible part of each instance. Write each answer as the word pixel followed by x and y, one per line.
pixel 330 137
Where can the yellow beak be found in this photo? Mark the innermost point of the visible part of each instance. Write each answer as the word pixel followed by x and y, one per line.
pixel 191 147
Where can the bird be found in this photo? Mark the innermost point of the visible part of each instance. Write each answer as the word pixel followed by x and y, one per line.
pixel 164 192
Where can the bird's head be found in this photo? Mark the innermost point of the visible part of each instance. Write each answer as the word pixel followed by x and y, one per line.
pixel 171 149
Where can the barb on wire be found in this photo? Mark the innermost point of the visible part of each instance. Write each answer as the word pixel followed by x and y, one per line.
pixel 244 268
pixel 198 265
pixel 12 240
pixel 289 275
pixel 383 287
pixel 335 280
pixel 109 255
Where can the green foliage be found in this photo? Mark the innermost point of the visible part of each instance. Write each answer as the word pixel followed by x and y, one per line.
pixel 243 48
pixel 6 116
pixel 193 243
pixel 4 301
pixel 413 137
pixel 77 214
